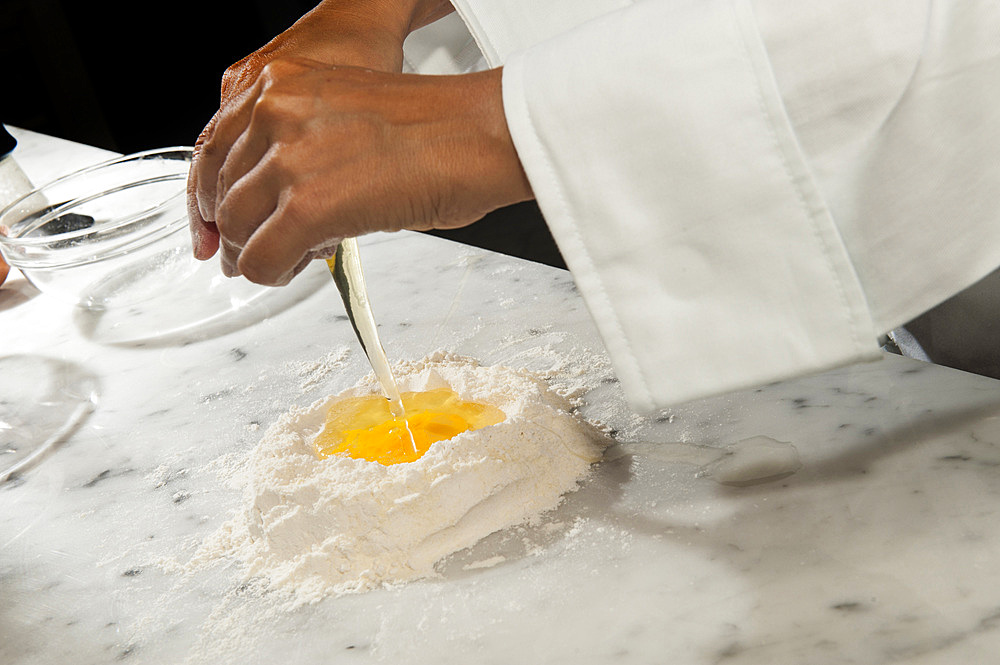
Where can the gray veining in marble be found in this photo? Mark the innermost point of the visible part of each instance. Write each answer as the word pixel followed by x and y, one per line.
pixel 881 545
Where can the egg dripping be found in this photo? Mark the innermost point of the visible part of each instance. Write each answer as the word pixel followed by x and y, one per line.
pixel 364 427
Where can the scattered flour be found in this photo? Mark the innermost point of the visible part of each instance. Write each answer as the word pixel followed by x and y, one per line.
pixel 317 527
pixel 313 373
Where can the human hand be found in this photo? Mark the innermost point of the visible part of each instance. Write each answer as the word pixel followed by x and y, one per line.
pixel 359 33
pixel 311 154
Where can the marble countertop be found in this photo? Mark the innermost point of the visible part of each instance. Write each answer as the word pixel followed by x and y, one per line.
pixel 882 546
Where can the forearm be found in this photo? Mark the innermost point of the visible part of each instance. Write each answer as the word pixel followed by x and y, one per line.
pixel 362 33
pixel 402 16
pixel 355 33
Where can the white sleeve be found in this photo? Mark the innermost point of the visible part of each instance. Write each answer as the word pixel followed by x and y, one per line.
pixel 749 191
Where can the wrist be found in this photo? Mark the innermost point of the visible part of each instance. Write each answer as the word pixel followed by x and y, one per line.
pixel 482 166
pixel 512 180
pixel 392 20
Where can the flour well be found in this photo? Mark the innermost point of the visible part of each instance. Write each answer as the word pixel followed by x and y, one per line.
pixel 317 527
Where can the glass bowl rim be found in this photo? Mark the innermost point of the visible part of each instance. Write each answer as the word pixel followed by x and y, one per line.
pixel 17 241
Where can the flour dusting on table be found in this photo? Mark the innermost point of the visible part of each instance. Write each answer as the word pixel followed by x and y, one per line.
pixel 318 527
pixel 314 372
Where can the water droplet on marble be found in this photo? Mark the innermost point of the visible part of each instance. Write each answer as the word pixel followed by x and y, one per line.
pixel 759 459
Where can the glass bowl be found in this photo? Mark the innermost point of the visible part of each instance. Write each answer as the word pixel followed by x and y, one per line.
pixel 106 236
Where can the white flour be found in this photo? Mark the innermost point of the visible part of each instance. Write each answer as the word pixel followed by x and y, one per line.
pixel 317 527
pixel 313 373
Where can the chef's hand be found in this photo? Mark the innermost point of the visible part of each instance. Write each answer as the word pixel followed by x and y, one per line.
pixel 361 33
pixel 312 154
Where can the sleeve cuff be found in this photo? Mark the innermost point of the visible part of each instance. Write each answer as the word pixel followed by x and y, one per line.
pixel 658 147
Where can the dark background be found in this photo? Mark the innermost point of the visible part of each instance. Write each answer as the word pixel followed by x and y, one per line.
pixel 140 75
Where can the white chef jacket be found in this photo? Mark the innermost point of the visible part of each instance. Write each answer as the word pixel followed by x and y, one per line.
pixel 749 190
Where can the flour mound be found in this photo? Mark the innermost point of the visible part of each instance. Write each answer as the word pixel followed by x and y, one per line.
pixel 318 527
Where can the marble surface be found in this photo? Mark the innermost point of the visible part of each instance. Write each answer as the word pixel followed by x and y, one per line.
pixel 876 541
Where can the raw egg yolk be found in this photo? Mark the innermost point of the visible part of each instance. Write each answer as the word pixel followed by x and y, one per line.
pixel 364 427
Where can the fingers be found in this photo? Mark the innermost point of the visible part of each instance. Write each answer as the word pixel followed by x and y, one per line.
pixel 224 152
pixel 287 241
pixel 255 175
pixel 200 195
pixel 220 135
pixel 204 235
pixel 245 154
pixel 285 277
pixel 247 204
pixel 269 229
pixel 329 251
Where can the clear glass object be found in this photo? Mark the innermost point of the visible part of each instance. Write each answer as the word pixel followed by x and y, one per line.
pixel 42 403
pixel 106 236
pixel 113 239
